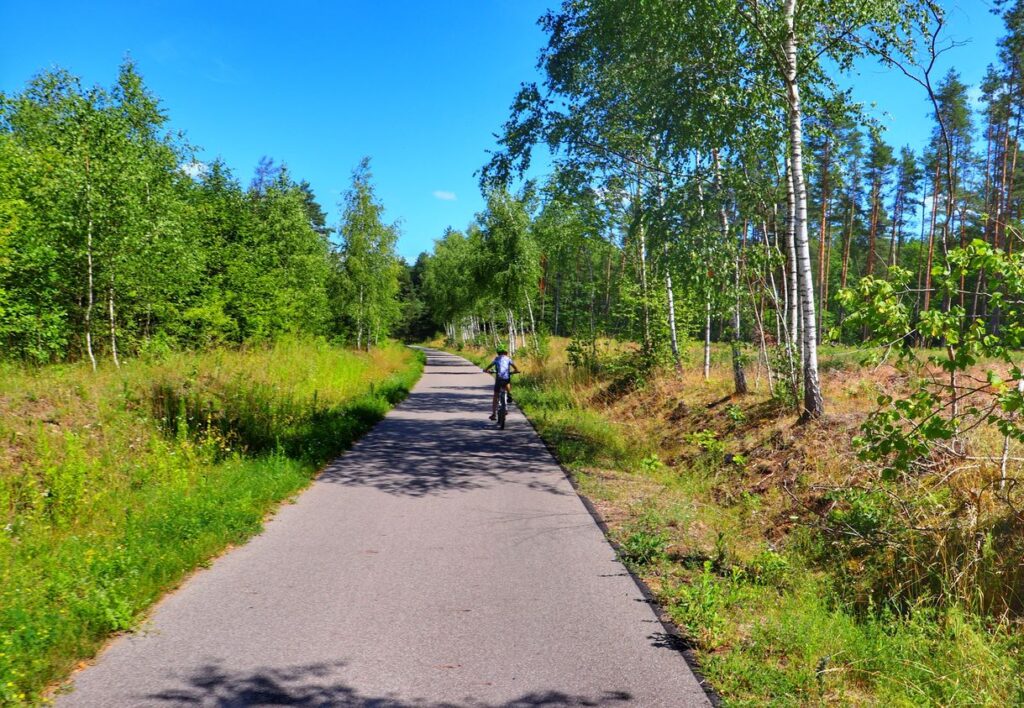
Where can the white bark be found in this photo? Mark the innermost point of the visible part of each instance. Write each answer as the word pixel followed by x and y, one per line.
pixel 642 244
pixel 707 337
pixel 511 334
pixel 533 323
pixel 671 304
pixel 707 292
pixel 739 377
pixel 359 327
pixel 113 326
pixel 792 290
pixel 90 298
pixel 813 404
pixel 670 295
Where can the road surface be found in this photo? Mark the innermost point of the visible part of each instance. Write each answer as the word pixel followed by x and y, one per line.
pixel 440 562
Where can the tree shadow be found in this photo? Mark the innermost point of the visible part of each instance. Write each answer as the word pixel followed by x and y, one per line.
pixel 313 685
pixel 439 440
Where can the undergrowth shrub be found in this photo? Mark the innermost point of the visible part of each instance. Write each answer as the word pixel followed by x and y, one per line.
pixel 697 605
pixel 644 541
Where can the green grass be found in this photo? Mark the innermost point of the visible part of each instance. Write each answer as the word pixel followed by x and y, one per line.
pixel 799 647
pixel 771 624
pixel 115 485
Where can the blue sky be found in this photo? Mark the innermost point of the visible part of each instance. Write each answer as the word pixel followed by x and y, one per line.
pixel 419 86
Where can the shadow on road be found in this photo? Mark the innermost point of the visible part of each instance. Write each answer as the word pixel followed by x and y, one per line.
pixel 212 685
pixel 439 440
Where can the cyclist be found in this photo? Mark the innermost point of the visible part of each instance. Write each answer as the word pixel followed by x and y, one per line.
pixel 503 367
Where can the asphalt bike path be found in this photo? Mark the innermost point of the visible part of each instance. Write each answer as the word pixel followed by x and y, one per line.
pixel 439 563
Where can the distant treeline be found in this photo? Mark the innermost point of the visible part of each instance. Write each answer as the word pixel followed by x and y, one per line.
pixel 115 239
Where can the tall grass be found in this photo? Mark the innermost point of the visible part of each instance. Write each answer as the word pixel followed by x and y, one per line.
pixel 115 484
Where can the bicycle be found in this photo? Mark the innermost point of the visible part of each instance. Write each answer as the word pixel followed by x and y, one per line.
pixel 503 404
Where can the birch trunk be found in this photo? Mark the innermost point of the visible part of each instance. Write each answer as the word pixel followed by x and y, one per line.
pixel 670 296
pixel 533 323
pixel 762 340
pixel 607 286
pixel 511 333
pixel 593 293
pixel 558 299
pixel 781 303
pixel 707 337
pixel 90 296
pixel 792 295
pixel 644 293
pixel 739 377
pixel 113 325
pixel 671 304
pixel 823 235
pixel 789 281
pixel 931 243
pixel 543 285
pixel 359 328
pixel 814 404
pixel 707 291
pixel 773 288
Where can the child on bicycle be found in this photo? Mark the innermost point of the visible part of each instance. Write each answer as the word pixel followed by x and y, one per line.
pixel 503 367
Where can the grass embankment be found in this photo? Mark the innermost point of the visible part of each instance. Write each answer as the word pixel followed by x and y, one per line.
pixel 765 543
pixel 115 484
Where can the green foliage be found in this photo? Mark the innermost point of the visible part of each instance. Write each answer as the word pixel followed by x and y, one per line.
pixel 367 279
pixel 643 547
pixel 707 441
pixel 905 431
pixel 769 568
pixel 697 606
pixel 113 234
pixel 644 542
pixel 862 516
pixel 735 413
pixel 651 464
pixel 632 369
pixel 582 354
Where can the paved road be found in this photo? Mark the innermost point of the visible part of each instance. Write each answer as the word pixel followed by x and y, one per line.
pixel 439 563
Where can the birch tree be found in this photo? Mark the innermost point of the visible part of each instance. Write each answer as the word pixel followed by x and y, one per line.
pixel 367 270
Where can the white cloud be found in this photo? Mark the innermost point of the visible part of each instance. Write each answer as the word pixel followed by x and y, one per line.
pixel 195 168
pixel 444 196
pixel 976 97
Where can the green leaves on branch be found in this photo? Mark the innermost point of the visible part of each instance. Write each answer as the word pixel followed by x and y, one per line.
pixel 968 374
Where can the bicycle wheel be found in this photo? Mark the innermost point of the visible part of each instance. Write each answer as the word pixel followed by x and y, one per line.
pixel 502 409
